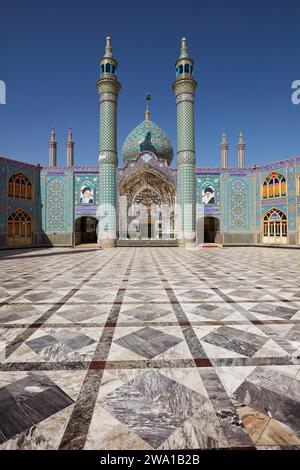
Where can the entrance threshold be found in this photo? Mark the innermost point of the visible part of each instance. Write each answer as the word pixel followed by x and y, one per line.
pixel 87 246
pixel 132 242
pixel 209 245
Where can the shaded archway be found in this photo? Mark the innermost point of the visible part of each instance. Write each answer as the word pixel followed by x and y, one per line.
pixel 86 230
pixel 149 198
pixel 211 229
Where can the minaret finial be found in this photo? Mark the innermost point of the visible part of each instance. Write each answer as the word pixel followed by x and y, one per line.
pixel 108 48
pixel 224 138
pixel 52 148
pixel 241 138
pixel 147 113
pixel 70 148
pixel 241 150
pixel 224 150
pixel 184 52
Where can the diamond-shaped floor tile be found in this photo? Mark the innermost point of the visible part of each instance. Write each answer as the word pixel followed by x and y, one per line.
pixel 153 406
pixel 148 342
pixel 241 342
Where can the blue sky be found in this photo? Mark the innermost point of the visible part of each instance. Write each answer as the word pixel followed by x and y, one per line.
pixel 246 56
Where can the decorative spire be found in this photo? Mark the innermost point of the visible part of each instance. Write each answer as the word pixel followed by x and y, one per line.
pixel 241 150
pixel 108 48
pixel 183 53
pixel 147 113
pixel 224 150
pixel 224 138
pixel 52 149
pixel 52 135
pixel 184 65
pixel 241 138
pixel 70 149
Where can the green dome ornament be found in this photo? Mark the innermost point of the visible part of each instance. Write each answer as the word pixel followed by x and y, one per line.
pixel 147 137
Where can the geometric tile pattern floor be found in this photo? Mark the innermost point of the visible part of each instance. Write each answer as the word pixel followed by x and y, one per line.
pixel 150 348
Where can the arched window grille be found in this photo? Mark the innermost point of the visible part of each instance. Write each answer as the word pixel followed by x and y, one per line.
pixel 274 186
pixel 19 186
pixel 275 227
pixel 19 225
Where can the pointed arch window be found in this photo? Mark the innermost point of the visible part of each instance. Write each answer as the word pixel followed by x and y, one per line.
pixel 275 227
pixel 274 186
pixel 20 226
pixel 19 186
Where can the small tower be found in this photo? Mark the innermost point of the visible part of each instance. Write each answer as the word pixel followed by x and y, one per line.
pixel 241 150
pixel 52 149
pixel 70 149
pixel 224 150
pixel 108 88
pixel 184 88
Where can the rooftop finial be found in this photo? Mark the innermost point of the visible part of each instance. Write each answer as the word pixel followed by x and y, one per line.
pixel 148 99
pixel 224 138
pixel 52 135
pixel 241 138
pixel 184 53
pixel 108 48
pixel 70 135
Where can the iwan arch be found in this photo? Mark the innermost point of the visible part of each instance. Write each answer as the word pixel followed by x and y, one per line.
pixel 145 200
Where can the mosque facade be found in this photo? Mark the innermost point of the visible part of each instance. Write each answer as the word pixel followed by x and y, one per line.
pixel 146 201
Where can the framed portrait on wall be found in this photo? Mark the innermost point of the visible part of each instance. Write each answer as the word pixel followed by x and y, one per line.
pixel 208 195
pixel 86 194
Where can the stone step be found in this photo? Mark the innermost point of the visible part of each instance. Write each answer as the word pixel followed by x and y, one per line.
pixel 129 242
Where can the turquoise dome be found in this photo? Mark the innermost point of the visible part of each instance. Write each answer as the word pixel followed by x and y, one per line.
pixel 147 137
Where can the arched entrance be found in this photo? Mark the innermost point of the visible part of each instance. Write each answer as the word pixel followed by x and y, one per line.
pixel 19 228
pixel 211 229
pixel 274 227
pixel 86 230
pixel 147 203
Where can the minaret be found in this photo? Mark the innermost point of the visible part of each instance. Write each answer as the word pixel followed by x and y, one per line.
pixel 184 88
pixel 241 150
pixel 52 149
pixel 224 150
pixel 108 89
pixel 70 149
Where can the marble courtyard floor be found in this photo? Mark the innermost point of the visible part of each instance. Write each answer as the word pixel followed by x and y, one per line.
pixel 150 348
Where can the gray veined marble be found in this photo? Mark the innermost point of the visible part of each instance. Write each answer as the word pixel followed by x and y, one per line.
pixel 274 310
pixel 195 294
pixel 294 334
pixel 147 312
pixel 235 340
pixel 148 342
pixel 60 345
pixel 153 405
